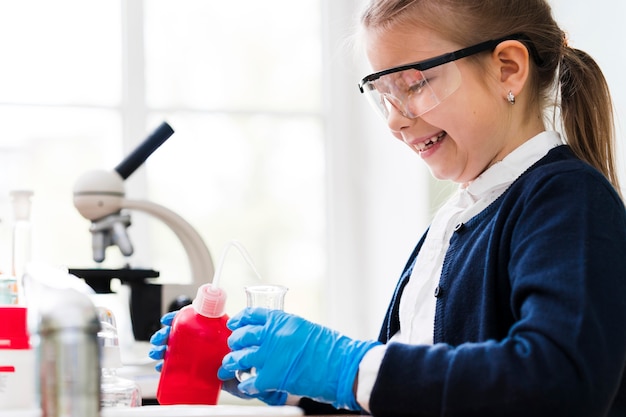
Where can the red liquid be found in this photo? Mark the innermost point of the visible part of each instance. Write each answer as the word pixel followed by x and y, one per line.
pixel 194 353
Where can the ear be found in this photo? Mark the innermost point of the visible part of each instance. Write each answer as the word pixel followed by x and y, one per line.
pixel 512 60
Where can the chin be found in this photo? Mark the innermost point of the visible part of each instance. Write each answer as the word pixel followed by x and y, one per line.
pixel 438 175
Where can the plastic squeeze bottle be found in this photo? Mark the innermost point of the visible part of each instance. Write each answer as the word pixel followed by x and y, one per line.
pixel 196 345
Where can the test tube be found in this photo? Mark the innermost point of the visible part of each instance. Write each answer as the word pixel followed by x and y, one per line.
pixel 266 296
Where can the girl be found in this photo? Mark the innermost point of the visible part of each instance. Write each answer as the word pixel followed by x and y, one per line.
pixel 514 300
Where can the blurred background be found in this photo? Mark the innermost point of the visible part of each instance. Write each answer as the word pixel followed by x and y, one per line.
pixel 273 144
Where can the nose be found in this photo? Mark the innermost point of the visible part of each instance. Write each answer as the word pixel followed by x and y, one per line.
pixel 396 120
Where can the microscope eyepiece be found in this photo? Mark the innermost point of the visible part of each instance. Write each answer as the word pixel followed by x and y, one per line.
pixel 144 150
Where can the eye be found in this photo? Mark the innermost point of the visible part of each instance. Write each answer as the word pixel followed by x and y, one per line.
pixel 414 81
pixel 416 87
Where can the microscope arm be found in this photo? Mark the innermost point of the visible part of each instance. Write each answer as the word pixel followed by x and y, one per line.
pixel 202 268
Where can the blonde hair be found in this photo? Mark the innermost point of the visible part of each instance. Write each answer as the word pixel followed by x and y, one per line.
pixel 585 103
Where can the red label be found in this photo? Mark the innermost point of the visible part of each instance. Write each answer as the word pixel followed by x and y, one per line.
pixel 7 369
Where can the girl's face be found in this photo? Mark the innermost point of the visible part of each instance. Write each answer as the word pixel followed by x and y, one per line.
pixel 465 133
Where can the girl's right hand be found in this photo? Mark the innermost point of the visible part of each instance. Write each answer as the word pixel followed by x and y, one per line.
pixel 159 339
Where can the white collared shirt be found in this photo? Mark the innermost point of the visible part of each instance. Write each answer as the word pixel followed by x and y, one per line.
pixel 418 302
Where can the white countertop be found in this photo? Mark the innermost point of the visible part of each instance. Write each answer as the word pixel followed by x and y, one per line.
pixel 181 411
pixel 203 411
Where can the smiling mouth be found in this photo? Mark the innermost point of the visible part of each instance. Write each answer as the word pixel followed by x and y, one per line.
pixel 423 146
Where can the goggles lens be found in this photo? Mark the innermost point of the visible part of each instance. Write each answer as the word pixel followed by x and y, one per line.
pixel 412 92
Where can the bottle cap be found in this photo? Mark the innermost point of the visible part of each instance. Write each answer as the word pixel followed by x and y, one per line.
pixel 210 301
pixel 13 328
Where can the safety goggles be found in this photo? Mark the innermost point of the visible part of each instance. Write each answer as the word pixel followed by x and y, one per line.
pixel 416 88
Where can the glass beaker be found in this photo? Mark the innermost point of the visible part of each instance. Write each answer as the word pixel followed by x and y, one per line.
pixel 266 296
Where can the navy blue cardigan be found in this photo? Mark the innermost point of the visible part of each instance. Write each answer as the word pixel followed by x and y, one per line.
pixel 531 307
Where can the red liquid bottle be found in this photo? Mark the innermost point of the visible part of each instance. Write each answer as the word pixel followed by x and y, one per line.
pixel 196 345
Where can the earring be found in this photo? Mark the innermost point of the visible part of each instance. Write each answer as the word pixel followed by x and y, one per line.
pixel 510 97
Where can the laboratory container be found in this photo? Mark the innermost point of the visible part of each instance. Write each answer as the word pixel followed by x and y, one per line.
pixel 10 282
pixel 67 351
pixel 8 290
pixel 196 345
pixel 17 361
pixel 115 391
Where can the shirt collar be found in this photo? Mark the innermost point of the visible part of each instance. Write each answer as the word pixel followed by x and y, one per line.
pixel 503 173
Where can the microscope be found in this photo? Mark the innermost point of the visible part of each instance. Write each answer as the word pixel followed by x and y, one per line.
pixel 99 197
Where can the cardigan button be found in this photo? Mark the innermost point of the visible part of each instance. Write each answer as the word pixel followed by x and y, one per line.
pixel 458 227
pixel 437 291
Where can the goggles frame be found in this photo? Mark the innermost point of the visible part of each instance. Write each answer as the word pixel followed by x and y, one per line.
pixel 453 56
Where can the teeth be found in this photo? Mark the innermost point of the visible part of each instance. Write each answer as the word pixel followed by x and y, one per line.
pixel 422 146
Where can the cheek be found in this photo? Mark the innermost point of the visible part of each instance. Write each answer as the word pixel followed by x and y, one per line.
pixel 467 114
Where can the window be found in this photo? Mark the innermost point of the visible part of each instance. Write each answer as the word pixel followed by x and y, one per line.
pixel 83 83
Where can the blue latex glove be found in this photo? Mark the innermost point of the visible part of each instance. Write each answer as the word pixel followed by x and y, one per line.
pixel 268 397
pixel 159 339
pixel 157 352
pixel 293 355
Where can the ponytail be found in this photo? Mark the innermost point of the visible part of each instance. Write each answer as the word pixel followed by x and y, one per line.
pixel 587 112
